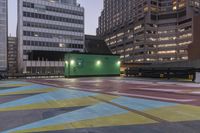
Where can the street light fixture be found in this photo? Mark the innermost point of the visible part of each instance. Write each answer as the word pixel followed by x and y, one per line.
pixel 72 62
pixel 98 62
pixel 119 63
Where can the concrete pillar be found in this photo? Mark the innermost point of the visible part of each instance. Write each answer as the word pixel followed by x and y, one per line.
pixel 197 77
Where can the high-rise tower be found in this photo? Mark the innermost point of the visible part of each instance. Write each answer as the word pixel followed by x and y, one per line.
pixel 151 31
pixel 3 35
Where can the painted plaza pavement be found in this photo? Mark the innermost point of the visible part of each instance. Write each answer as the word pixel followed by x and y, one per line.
pixel 36 107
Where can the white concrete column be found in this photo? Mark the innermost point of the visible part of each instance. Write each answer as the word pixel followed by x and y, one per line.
pixel 197 77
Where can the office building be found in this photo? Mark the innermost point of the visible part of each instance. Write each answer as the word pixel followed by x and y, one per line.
pixel 3 35
pixel 12 55
pixel 47 29
pixel 151 31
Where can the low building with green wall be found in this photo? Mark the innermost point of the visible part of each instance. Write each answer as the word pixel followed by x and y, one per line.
pixel 83 65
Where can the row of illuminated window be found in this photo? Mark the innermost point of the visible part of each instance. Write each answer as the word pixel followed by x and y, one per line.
pixel 52 9
pixel 116 41
pixel 138 27
pixel 127 50
pixel 159 46
pixel 167 38
pixel 51 44
pixel 130 36
pixel 154 39
pixel 174 44
pixel 180 5
pixel 182 51
pixel 160 39
pixel 195 3
pixel 171 24
pixel 185 35
pixel 113 42
pixel 53 18
pixel 162 59
pixel 115 36
pixel 164 9
pixel 164 45
pixel 166 31
pixel 54 27
pixel 121 34
pixel 50 35
pixel 185 29
pixel 171 38
pixel 171 31
pixel 171 51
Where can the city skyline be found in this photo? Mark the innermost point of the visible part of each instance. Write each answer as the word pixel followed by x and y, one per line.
pixel 92 9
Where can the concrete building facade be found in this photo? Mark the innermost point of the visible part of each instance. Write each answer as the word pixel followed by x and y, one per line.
pixel 12 55
pixel 151 31
pixel 3 35
pixel 46 30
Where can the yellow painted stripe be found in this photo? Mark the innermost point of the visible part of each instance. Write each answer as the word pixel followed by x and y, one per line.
pixel 84 101
pixel 177 113
pixel 30 91
pixel 106 97
pixel 115 120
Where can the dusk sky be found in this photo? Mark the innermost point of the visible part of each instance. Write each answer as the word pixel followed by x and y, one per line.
pixel 92 12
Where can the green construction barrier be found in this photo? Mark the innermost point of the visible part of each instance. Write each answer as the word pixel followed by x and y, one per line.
pixel 83 65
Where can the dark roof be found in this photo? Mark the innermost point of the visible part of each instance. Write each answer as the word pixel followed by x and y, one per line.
pixel 79 53
pixel 96 45
pixel 178 64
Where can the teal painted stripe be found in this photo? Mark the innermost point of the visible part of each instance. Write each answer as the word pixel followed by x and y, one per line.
pixel 61 94
pixel 14 82
pixel 141 104
pixel 24 88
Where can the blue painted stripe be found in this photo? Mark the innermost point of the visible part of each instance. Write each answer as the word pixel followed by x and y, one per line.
pixel 14 82
pixel 141 104
pixel 92 112
pixel 24 88
pixel 61 94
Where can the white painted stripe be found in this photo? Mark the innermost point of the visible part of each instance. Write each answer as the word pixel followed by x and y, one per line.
pixel 67 85
pixel 190 85
pixel 180 84
pixel 159 90
pixel 134 82
pixel 195 92
pixel 71 87
pixel 91 81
